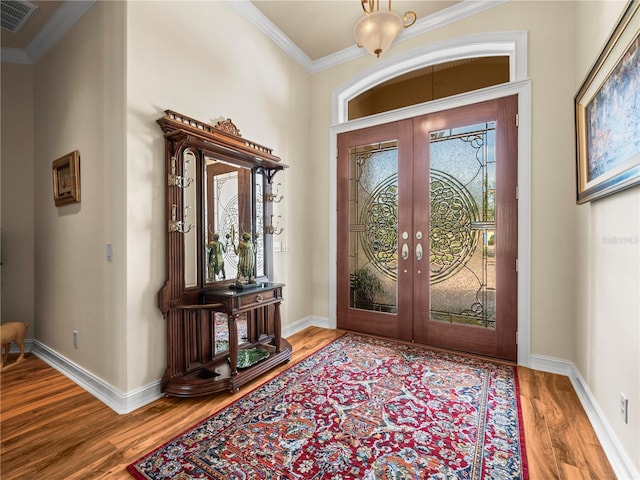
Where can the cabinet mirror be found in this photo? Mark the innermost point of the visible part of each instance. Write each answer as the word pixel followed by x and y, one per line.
pixel 190 202
pixel 233 214
pixel 222 331
pixel 218 223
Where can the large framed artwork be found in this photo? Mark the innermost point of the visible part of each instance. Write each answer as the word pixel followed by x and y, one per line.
pixel 607 108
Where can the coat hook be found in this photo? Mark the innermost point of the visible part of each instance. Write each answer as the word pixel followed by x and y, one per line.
pixel 274 229
pixel 273 197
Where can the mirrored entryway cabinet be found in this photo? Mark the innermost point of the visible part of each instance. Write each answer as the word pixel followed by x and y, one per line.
pixel 222 310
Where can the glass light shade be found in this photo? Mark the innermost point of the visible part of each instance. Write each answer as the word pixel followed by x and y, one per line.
pixel 376 31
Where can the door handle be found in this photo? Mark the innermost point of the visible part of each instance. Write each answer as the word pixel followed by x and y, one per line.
pixel 419 252
pixel 405 251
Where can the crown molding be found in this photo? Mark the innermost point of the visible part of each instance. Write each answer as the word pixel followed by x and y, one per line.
pixel 444 17
pixel 448 15
pixel 255 16
pixel 14 55
pixel 71 11
pixel 61 21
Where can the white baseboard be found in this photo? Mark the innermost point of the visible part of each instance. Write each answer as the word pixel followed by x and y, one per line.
pixel 303 323
pixel 618 458
pixel 28 344
pixel 110 396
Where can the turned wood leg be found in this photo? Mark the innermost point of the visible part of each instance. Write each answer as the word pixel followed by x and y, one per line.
pixel 278 326
pixel 233 343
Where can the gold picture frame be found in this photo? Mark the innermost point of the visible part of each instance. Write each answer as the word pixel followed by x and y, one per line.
pixel 608 114
pixel 66 179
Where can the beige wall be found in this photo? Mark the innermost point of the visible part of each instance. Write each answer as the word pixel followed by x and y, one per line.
pixel 607 331
pixel 100 90
pixel 17 212
pixel 205 60
pixel 78 92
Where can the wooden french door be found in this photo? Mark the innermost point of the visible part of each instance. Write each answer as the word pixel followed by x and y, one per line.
pixel 427 229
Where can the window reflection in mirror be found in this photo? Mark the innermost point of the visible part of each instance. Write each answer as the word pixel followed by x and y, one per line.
pixel 190 204
pixel 228 215
pixel 222 331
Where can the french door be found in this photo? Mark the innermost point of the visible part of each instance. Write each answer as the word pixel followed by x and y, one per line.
pixel 427 229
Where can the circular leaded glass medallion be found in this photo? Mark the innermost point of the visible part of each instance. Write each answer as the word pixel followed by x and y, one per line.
pixel 452 211
pixel 380 219
pixel 452 239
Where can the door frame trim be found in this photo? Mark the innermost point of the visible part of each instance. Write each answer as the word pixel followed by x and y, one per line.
pixel 522 88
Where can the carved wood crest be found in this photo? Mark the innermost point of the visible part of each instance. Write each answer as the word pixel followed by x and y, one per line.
pixel 228 126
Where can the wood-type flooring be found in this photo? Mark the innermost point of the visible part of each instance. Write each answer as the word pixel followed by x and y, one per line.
pixel 52 429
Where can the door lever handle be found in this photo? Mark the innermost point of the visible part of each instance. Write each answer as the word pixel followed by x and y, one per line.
pixel 405 251
pixel 419 251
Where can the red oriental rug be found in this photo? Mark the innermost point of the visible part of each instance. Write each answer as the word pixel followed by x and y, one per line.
pixel 360 408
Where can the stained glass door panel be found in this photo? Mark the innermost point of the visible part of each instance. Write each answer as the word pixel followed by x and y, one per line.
pixel 469 177
pixel 373 227
pixel 374 205
pixel 462 183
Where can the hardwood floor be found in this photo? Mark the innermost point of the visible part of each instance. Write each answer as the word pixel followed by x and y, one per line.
pixel 52 429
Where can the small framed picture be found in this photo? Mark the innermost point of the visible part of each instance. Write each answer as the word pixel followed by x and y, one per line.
pixel 66 179
pixel 608 114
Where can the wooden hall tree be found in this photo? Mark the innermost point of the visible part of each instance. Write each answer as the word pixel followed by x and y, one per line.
pixel 222 312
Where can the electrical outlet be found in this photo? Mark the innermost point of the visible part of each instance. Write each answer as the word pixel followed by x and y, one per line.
pixel 624 408
pixel 75 339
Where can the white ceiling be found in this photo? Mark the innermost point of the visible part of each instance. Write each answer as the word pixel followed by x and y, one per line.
pixel 321 28
pixel 316 33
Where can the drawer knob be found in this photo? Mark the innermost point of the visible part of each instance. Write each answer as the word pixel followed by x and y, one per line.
pixel 259 298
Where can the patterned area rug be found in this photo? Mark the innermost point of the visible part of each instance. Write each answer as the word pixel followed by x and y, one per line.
pixel 360 408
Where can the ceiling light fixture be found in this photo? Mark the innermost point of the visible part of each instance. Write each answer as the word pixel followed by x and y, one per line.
pixel 377 30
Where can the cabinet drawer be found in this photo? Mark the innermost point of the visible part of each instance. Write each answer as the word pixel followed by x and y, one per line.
pixel 255 299
pixel 241 300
